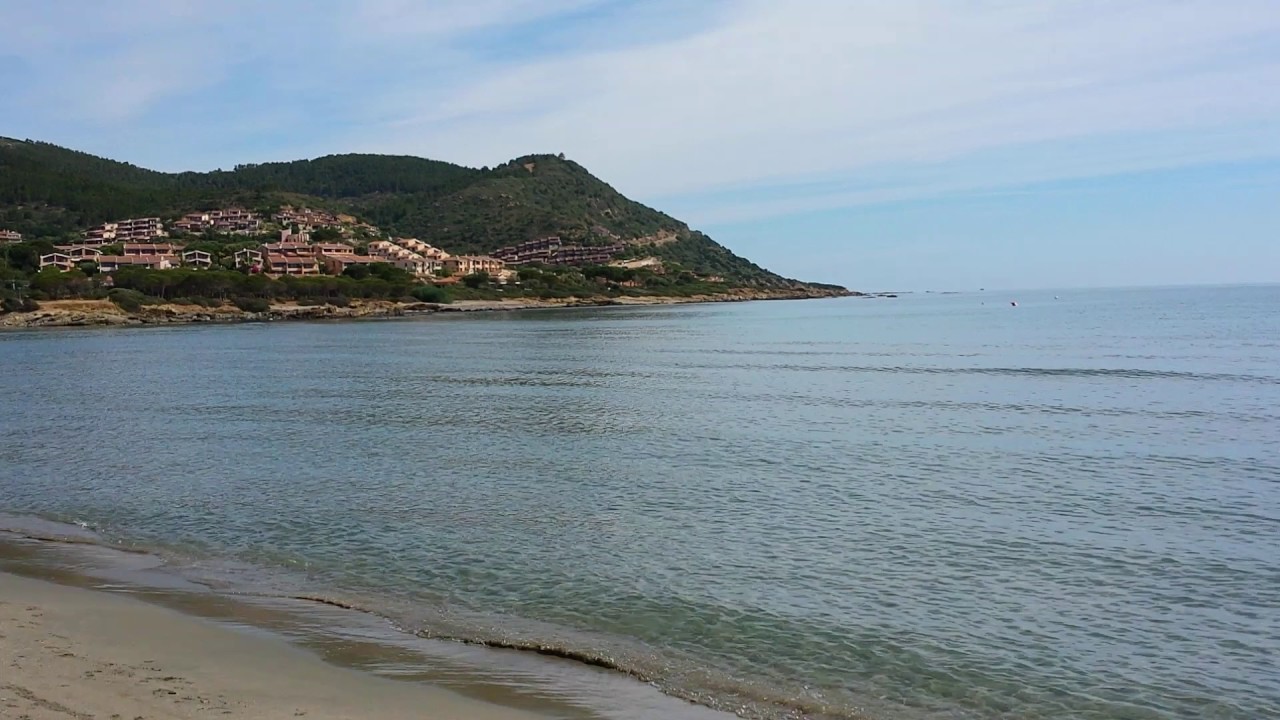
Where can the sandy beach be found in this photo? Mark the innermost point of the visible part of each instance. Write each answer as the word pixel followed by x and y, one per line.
pixel 69 653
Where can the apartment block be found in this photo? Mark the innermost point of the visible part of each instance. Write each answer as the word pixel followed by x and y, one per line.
pixel 336 263
pixel 150 249
pixel 111 263
pixel 233 221
pixel 472 264
pixel 132 230
pixel 297 265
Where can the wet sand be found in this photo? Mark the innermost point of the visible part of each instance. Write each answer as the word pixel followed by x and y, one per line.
pixel 70 653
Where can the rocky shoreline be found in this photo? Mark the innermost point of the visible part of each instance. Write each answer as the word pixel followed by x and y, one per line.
pixel 103 313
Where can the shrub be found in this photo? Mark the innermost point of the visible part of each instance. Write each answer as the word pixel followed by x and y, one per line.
pixel 475 280
pixel 197 300
pixel 339 301
pixel 13 304
pixel 252 304
pixel 430 294
pixel 130 300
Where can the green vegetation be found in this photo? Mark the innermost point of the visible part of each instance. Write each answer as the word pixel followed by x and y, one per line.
pixel 133 288
pixel 252 304
pixel 50 194
pixel 130 300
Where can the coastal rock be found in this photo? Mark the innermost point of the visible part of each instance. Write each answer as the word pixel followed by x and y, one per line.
pixel 80 313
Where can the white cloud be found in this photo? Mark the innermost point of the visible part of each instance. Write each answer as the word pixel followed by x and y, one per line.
pixel 866 100
pixel 783 91
pixel 398 18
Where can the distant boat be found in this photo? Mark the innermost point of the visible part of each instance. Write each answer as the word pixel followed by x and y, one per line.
pixel 1013 303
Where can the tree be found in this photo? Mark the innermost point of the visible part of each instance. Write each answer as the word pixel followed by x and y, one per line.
pixel 475 280
pixel 356 272
pixel 58 284
pixel 326 234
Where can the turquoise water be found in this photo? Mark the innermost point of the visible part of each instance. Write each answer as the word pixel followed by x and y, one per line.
pixel 938 506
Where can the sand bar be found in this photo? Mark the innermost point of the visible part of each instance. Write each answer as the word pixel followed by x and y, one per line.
pixel 73 654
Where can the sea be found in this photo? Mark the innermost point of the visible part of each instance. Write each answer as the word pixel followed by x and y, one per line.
pixel 935 505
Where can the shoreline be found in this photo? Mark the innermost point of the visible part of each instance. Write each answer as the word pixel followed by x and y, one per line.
pixel 80 653
pixel 317 643
pixel 104 313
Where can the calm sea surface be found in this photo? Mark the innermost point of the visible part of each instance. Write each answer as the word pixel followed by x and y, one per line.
pixel 938 506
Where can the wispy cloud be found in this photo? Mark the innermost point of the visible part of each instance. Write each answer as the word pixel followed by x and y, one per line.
pixel 793 106
pixel 785 91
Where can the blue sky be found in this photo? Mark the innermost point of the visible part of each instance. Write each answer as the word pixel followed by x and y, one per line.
pixel 899 144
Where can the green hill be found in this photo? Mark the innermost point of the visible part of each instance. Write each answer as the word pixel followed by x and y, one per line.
pixel 51 192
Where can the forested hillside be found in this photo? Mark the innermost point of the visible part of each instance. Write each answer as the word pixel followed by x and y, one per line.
pixel 50 192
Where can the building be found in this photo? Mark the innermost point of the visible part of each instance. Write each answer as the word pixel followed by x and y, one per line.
pixel 530 251
pixel 403 258
pixel 335 264
pixel 472 264
pixel 289 249
pixel 80 253
pixel 197 259
pixel 248 258
pixel 302 237
pixel 584 255
pixel 232 221
pixel 132 230
pixel 424 249
pixel 61 261
pixel 291 265
pixel 10 236
pixel 332 249
pixel 111 263
pixel 150 249
pixel 307 218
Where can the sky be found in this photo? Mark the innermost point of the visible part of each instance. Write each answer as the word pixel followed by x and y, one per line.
pixel 880 144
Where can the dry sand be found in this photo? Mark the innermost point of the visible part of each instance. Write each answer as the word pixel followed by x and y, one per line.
pixel 72 654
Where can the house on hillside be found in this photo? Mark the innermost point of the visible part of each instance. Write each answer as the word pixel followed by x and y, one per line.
pixel 132 230
pixel 403 258
pixel 232 221
pixel 296 265
pixel 248 258
pixel 289 249
pixel 336 263
pixel 10 236
pixel 197 259
pixel 150 249
pixel 472 264
pixel 80 253
pixel 530 251
pixel 111 263
pixel 319 249
pixel 302 237
pixel 61 261
pixel 424 249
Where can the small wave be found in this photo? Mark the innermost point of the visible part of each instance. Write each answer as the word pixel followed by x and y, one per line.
pixel 718 693
pixel 1121 373
pixel 72 533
